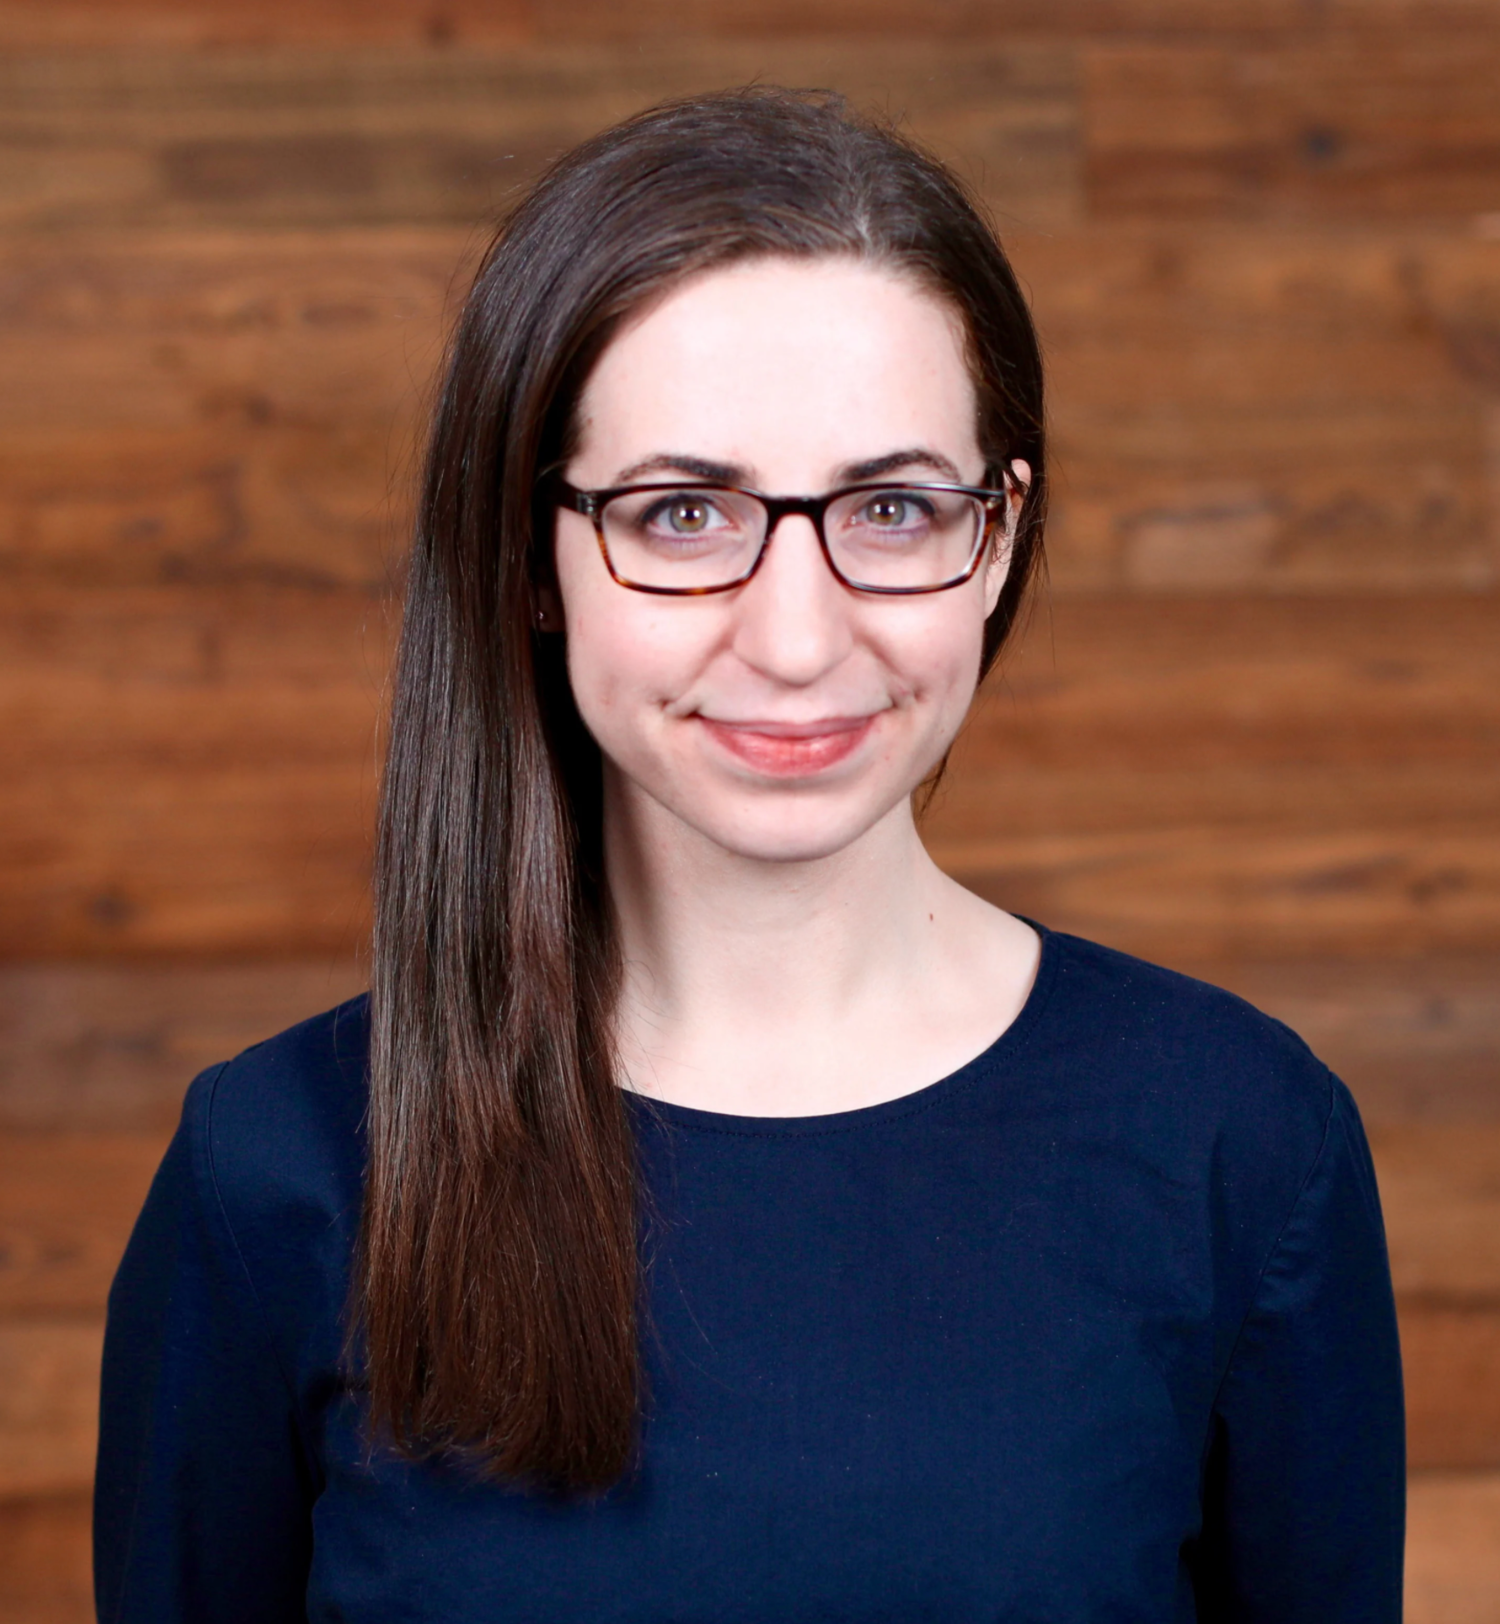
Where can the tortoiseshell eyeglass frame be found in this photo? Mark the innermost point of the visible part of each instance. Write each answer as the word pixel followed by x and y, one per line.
pixel 592 504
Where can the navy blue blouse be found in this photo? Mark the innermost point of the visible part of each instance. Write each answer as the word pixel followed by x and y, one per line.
pixel 1099 1327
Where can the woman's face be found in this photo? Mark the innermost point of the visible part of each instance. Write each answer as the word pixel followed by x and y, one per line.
pixel 785 718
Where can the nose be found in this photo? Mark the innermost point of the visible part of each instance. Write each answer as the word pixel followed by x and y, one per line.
pixel 793 614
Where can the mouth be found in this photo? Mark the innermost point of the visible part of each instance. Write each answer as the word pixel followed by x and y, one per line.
pixel 791 749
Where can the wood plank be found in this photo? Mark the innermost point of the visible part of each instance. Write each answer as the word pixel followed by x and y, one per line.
pixel 1406 126
pixel 236 405
pixel 49 1405
pixel 67 1205
pixel 365 135
pixel 1417 1040
pixel 64 24
pixel 111 1048
pixel 1453 1548
pixel 194 770
pixel 228 332
pixel 1440 1188
pixel 1451 1355
pixel 46 1560
pixel 1210 498
pixel 1264 407
pixel 1233 682
pixel 1223 893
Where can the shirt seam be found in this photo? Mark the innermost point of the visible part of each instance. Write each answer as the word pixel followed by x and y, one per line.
pixel 239 1253
pixel 117 1612
pixel 1270 1258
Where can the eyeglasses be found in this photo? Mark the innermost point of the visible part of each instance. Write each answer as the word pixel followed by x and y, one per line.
pixel 688 539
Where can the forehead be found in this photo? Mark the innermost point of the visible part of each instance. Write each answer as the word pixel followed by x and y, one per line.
pixel 781 364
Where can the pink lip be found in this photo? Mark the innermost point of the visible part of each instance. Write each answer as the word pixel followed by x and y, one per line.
pixel 791 749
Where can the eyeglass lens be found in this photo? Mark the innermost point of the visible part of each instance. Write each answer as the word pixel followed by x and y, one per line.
pixel 693 538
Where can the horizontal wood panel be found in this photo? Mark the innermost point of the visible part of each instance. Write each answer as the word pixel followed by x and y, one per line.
pixel 139 138
pixel 85 23
pixel 195 769
pixel 1088 682
pixel 1142 684
pixel 223 333
pixel 49 1405
pixel 226 405
pixel 46 1560
pixel 1418 1040
pixel 67 1204
pixel 1219 893
pixel 1275 499
pixel 1406 126
pixel 1453 1548
pixel 1440 1188
pixel 1451 1359
pixel 113 1048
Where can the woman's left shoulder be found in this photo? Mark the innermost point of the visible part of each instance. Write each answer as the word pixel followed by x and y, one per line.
pixel 1190 1055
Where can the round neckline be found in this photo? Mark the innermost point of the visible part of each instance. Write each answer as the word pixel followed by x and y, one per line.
pixel 694 1119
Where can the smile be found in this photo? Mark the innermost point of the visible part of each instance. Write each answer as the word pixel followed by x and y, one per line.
pixel 791 749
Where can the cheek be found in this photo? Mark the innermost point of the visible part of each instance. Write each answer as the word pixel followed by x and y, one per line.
pixel 627 662
pixel 939 654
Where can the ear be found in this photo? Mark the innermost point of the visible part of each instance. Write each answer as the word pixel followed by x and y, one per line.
pixel 549 614
pixel 1017 483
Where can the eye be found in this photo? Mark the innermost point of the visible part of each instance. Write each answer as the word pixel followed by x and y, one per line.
pixel 886 510
pixel 686 515
pixel 894 510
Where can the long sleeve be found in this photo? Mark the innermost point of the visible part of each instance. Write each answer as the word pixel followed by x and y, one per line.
pixel 203 1493
pixel 1305 1486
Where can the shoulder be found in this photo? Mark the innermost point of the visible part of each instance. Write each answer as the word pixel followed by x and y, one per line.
pixel 1182 1040
pixel 276 1139
pixel 1187 1074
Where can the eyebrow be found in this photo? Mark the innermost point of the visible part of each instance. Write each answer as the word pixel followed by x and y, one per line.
pixel 734 473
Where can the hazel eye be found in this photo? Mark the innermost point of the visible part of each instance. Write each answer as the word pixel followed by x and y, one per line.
pixel 887 512
pixel 688 516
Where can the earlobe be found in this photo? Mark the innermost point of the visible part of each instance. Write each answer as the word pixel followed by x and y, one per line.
pixel 549 615
pixel 1017 483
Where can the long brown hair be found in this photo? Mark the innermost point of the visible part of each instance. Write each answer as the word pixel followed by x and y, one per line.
pixel 496 1294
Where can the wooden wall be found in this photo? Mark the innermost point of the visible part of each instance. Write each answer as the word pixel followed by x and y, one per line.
pixel 1253 731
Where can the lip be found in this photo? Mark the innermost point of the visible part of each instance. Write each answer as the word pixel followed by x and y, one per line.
pixel 791 749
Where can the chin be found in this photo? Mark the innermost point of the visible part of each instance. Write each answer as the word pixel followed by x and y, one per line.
pixel 782 834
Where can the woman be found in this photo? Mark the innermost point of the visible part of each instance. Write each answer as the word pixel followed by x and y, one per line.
pixel 716 1212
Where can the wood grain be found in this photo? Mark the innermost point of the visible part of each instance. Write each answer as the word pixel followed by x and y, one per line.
pixel 1405 127
pixel 112 1048
pixel 46 1560
pixel 1418 1041
pixel 1451 1355
pixel 1453 1548
pixel 67 1204
pixel 1440 1188
pixel 195 770
pixel 219 23
pixel 49 1404
pixel 1232 413
pixel 364 135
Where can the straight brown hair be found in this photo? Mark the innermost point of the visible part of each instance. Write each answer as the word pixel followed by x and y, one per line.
pixel 496 1299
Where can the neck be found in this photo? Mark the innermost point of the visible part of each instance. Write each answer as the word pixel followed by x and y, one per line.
pixel 793 987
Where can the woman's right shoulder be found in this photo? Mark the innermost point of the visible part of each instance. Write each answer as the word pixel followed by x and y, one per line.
pixel 279 1129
